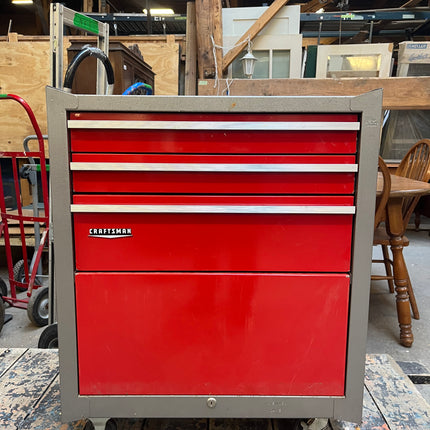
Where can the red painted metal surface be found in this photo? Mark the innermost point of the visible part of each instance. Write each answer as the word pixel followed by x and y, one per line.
pixel 208 182
pixel 202 303
pixel 211 334
pixel 214 141
pixel 198 116
pixel 214 242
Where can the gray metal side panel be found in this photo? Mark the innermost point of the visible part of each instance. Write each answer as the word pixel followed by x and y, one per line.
pixel 63 244
pixel 370 106
pixel 74 406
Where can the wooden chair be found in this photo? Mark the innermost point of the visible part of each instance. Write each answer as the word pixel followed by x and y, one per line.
pixel 380 214
pixel 382 200
pixel 415 165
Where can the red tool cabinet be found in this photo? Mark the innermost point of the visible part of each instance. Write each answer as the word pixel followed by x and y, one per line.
pixel 212 257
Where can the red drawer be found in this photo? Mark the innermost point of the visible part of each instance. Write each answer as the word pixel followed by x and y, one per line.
pixel 244 174
pixel 198 233
pixel 214 133
pixel 212 334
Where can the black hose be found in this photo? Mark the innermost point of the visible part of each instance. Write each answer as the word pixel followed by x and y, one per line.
pixel 85 52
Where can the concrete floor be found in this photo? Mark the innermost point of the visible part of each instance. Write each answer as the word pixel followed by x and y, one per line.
pixel 383 332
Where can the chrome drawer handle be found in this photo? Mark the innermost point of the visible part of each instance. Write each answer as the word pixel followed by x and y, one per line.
pixel 211 167
pixel 213 125
pixel 214 209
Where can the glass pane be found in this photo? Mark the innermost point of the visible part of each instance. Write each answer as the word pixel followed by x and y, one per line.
pixel 401 130
pixel 281 64
pixel 419 70
pixel 349 65
pixel 261 70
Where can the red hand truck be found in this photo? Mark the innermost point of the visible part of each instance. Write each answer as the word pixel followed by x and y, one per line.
pixel 36 303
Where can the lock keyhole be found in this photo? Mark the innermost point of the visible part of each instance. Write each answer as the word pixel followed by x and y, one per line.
pixel 211 402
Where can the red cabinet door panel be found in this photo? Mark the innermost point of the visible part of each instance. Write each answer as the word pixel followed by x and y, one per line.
pixel 108 173
pixel 211 334
pixel 212 241
pixel 170 140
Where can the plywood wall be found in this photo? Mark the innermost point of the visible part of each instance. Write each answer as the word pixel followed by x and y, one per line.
pixel 25 71
pixel 163 57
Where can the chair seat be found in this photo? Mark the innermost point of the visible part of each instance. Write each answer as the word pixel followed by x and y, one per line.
pixel 380 237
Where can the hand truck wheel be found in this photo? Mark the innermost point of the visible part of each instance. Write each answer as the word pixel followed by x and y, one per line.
pixel 19 274
pixel 49 337
pixel 3 288
pixel 38 307
pixel 2 315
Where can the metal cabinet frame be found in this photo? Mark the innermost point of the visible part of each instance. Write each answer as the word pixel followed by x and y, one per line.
pixel 74 406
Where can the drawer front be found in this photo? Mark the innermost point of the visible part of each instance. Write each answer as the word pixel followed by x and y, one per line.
pixel 214 334
pixel 143 173
pixel 198 233
pixel 214 133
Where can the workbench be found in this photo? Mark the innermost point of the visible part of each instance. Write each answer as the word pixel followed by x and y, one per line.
pixel 30 399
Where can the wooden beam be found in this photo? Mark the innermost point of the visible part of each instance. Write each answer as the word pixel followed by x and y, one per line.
pixel 255 28
pixel 209 24
pixel 191 52
pixel 314 5
pixel 399 93
pixel 102 6
pixel 360 37
pixel 410 3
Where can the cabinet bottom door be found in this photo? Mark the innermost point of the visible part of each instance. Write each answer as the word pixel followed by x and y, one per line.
pixel 212 333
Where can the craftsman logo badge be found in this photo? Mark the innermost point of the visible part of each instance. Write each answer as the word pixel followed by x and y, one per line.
pixel 110 233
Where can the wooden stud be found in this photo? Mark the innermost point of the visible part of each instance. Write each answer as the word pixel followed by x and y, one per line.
pixel 209 24
pixel 12 37
pixel 217 32
pixel 88 6
pixel 191 52
pixel 102 6
pixel 255 28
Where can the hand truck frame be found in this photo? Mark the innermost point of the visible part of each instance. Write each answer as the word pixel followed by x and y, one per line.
pixel 35 304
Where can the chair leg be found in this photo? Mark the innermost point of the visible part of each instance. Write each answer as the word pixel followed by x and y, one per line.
pixel 388 270
pixel 412 300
